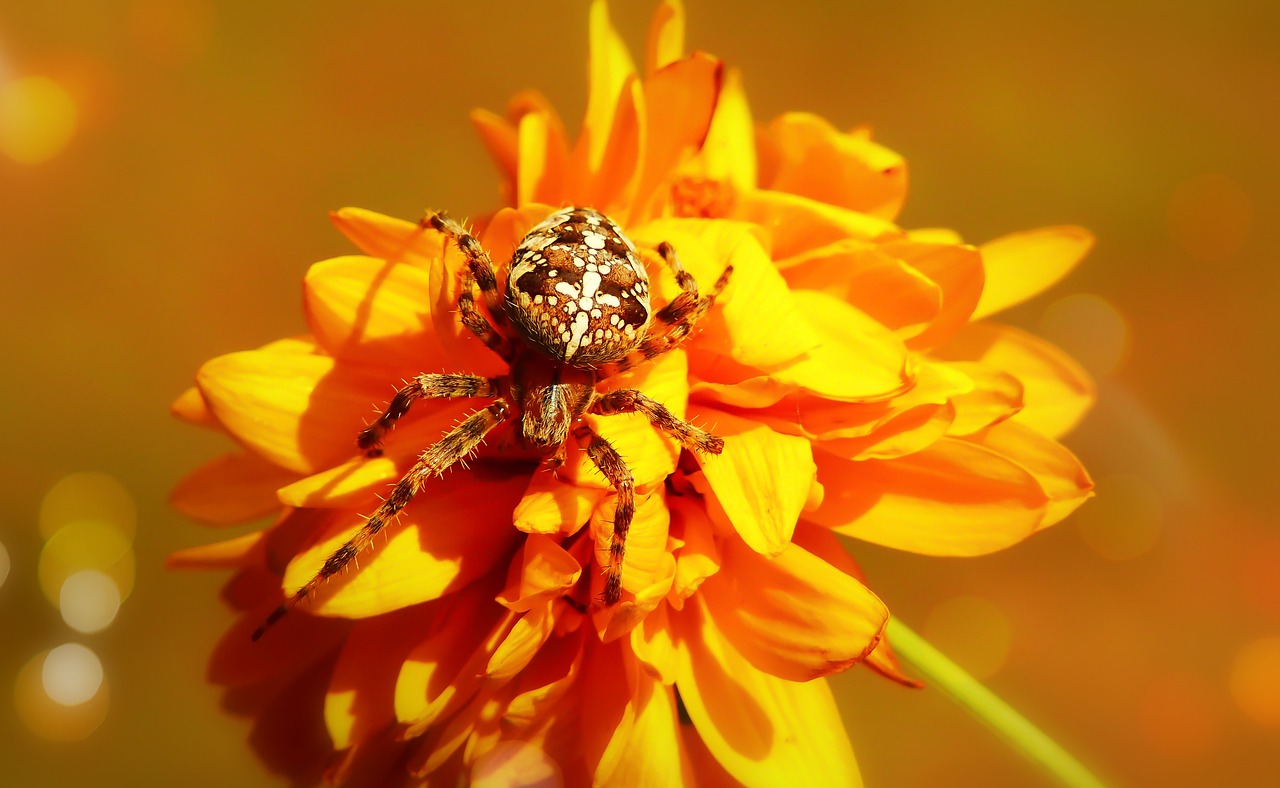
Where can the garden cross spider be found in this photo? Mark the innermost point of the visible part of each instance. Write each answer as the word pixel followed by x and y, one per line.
pixel 577 297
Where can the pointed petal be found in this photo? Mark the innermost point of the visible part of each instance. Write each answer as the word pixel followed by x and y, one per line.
pixel 953 498
pixel 298 411
pixel 610 67
pixel 1056 390
pixel 794 616
pixel 456 530
pixel 762 729
pixel 847 170
pixel 231 554
pixel 232 488
pixel 499 138
pixel 795 224
pixel 371 310
pixel 1057 470
pixel 760 481
pixel 665 43
pixel 729 151
pixel 653 645
pixel 1021 265
pixel 390 239
pixel 191 408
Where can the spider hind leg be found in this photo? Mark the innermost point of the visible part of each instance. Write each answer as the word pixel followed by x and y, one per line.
pixel 612 467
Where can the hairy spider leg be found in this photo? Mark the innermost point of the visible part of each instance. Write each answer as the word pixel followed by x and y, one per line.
pixel 635 401
pixel 425 386
pixel 479 271
pixel 610 463
pixel 454 446
pixel 675 321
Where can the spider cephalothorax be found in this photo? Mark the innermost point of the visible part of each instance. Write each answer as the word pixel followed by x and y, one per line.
pixel 576 311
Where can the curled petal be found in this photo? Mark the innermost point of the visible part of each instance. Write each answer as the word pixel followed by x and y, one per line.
pixel 455 531
pixel 1020 265
pixel 499 137
pixel 794 615
pixel 795 224
pixel 551 506
pixel 1061 476
pixel 953 498
pixel 233 488
pixel 957 271
pixel 759 482
pixel 527 635
pixel 995 396
pixel 653 645
pixel 547 571
pixel 1056 390
pixel 697 557
pixel 762 729
pixel 849 170
pixel 542 154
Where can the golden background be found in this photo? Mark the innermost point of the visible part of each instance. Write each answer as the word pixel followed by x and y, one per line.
pixel 191 150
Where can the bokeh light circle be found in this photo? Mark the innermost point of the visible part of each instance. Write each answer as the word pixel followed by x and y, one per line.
pixel 89 601
pixel 973 632
pixel 1180 715
pixel 1210 217
pixel 1125 520
pixel 88 496
pixel 88 544
pixel 49 719
pixel 71 674
pixel 1255 681
pixel 1090 329
pixel 37 119
pixel 4 564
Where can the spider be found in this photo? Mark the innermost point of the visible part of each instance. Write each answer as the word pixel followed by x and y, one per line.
pixel 576 312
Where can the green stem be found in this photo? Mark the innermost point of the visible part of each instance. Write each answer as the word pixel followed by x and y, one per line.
pixel 982 703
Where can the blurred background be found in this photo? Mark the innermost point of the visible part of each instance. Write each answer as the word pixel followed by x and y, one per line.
pixel 165 171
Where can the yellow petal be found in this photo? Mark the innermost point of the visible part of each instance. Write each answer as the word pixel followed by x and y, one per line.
pixel 552 506
pixel 794 616
pixel 520 645
pixel 650 755
pixel 646 540
pixel 301 412
pixel 665 43
pixel 760 481
pixel 232 488
pixel 454 531
pixel 755 322
pixel 653 645
pixel 1059 473
pixel 542 155
pixel 995 397
pixel 394 240
pixel 762 729
pixel 1056 391
pixel 957 271
pixel 953 498
pixel 848 170
pixel 729 152
pixel 610 67
pixel 795 224
pixel 370 310
pixel 857 358
pixel 1020 265
pixel 697 558
pixel 829 420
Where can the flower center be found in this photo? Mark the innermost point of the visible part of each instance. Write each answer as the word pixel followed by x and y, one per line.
pixel 701 197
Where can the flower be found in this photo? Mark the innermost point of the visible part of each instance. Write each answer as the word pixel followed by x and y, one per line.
pixel 847 365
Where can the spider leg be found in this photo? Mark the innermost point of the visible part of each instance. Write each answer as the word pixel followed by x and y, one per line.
pixel 610 463
pixel 479 271
pixel 673 323
pixel 635 401
pixel 454 446
pixel 429 386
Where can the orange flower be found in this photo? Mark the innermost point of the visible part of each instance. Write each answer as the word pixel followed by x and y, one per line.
pixel 841 365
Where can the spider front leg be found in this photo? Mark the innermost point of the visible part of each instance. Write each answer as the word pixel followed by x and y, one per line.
pixel 479 271
pixel 454 446
pixel 674 322
pixel 428 386
pixel 635 401
pixel 610 463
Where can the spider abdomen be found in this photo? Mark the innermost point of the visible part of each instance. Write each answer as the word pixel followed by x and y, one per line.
pixel 577 289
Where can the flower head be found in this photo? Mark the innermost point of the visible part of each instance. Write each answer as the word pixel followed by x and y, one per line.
pixel 842 365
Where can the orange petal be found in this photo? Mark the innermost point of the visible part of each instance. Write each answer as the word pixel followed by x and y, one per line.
pixel 546 680
pixel 650 754
pixel 755 322
pixel 857 358
pixel 547 571
pixel 1056 391
pixel 665 43
pixel 367 309
pixel 301 412
pixel 760 481
pixel 1020 265
pixel 499 137
pixel 995 397
pixel 1059 473
pixel 231 554
pixel 191 408
pixel 847 170
pixel 616 179
pixel 762 729
pixel 794 616
pixel 394 240
pixel 552 506
pixel 456 530
pixel 957 270
pixel 621 619
pixel 795 224
pixel 679 101
pixel 893 293
pixel 953 498
pixel 232 488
